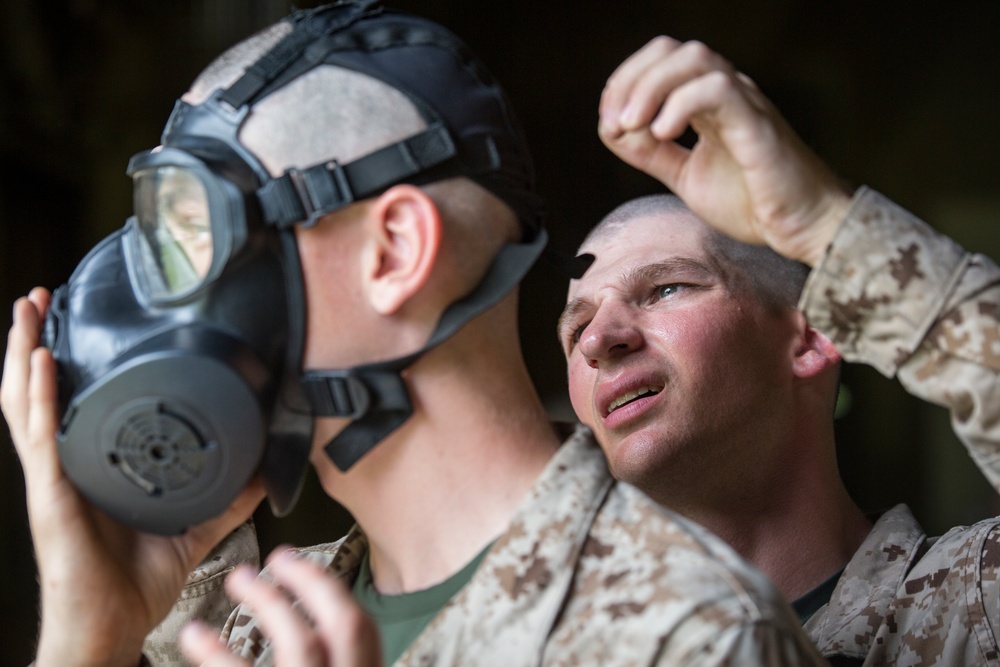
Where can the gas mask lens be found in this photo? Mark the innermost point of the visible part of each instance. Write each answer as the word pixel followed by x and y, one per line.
pixel 174 230
pixel 188 222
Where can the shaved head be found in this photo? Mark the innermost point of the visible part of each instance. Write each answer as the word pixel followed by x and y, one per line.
pixel 333 113
pixel 327 113
pixel 756 270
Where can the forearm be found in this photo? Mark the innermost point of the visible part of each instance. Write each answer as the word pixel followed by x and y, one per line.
pixel 203 597
pixel 894 294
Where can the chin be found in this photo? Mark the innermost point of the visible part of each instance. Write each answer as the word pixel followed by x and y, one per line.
pixel 636 460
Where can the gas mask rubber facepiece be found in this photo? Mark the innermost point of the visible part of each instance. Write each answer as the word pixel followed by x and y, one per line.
pixel 179 338
pixel 178 341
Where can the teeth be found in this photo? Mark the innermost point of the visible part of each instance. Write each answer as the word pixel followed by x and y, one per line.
pixel 629 396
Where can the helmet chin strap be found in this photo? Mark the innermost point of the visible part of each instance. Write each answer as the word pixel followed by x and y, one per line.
pixel 374 395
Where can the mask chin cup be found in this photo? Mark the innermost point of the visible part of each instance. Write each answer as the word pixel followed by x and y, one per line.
pixel 286 457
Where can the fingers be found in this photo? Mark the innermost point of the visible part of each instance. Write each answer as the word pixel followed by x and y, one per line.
pixel 618 89
pixel 21 340
pixel 655 95
pixel 637 91
pixel 352 638
pixel 42 298
pixel 201 646
pixel 324 627
pixel 43 416
pixel 707 101
pixel 748 175
pixel 28 391
pixel 663 160
pixel 292 639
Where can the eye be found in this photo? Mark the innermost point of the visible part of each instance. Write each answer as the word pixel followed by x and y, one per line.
pixel 573 334
pixel 664 291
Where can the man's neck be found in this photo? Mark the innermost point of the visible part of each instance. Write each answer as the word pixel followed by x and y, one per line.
pixel 447 483
pixel 797 534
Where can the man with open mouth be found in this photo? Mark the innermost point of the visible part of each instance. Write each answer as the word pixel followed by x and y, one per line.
pixel 704 343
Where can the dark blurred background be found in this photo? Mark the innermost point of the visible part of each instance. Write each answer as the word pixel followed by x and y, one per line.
pixel 902 96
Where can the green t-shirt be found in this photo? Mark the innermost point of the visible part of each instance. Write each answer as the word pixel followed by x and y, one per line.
pixel 401 618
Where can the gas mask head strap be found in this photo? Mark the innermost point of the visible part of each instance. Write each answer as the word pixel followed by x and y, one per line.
pixel 289 50
pixel 303 196
pixel 480 142
pixel 374 396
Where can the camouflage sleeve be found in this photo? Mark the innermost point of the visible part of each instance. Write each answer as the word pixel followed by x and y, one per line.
pixel 203 597
pixel 893 293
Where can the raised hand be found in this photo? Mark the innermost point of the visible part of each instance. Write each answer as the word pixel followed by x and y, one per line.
pixel 749 174
pixel 103 586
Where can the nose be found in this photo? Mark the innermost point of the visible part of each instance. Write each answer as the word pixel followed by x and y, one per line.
pixel 613 332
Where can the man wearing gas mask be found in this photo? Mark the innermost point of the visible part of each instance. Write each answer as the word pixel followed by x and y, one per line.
pixel 321 269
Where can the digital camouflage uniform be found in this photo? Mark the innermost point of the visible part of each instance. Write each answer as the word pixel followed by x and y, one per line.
pixel 589 572
pixel 894 294
pixel 890 293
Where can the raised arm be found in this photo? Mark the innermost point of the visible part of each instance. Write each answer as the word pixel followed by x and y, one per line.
pixel 886 288
pixel 894 294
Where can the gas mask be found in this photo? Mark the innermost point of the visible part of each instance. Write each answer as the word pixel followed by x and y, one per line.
pixel 178 341
pixel 179 338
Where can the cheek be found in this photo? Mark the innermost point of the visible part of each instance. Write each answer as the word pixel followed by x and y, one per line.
pixel 321 319
pixel 701 333
pixel 332 298
pixel 736 346
pixel 581 387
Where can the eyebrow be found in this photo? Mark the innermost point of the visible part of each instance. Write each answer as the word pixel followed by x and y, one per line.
pixel 639 275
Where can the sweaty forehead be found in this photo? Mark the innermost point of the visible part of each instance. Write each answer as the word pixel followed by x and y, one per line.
pixel 626 245
pixel 631 256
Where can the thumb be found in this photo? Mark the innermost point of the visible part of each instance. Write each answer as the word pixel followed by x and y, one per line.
pixel 39 454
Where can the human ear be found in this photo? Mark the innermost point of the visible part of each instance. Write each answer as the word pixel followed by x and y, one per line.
pixel 405 237
pixel 814 352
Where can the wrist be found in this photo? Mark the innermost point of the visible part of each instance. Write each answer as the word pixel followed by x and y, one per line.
pixel 107 649
pixel 820 227
pixel 831 216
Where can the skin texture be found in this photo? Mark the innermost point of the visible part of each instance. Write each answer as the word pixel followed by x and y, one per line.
pixel 393 273
pixel 339 633
pixel 654 311
pixel 142 573
pixel 389 266
pixel 741 437
pixel 709 398
pixel 749 175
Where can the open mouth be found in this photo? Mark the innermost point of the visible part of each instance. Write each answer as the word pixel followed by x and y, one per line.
pixel 633 395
